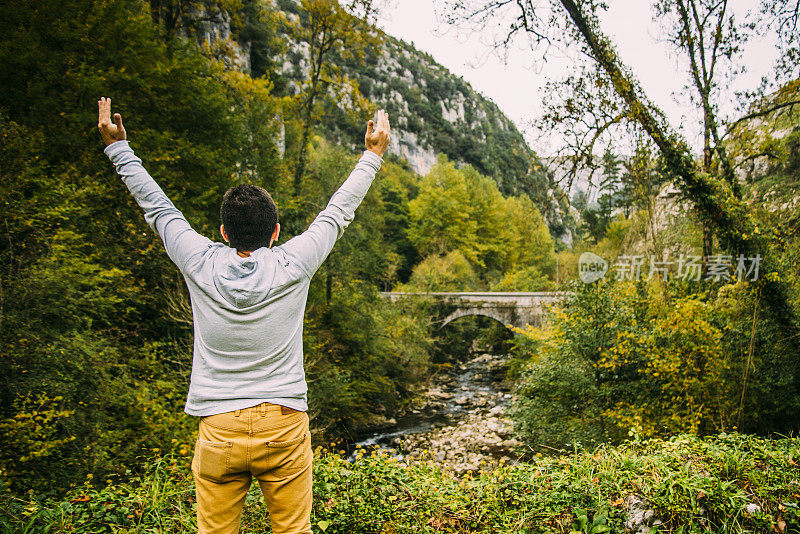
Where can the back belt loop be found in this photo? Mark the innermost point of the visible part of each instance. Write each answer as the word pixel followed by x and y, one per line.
pixel 237 412
pixel 263 409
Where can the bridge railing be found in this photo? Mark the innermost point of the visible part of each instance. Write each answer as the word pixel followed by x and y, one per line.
pixel 518 297
pixel 481 293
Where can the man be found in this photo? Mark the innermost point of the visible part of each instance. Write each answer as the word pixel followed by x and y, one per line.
pixel 248 300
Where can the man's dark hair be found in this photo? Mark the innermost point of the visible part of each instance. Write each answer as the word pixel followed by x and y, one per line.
pixel 249 215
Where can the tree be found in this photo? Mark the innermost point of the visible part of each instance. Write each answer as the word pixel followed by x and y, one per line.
pixel 528 242
pixel 486 208
pixel 584 112
pixel 783 16
pixel 597 219
pixel 575 22
pixel 706 33
pixel 440 215
pixel 260 27
pixel 327 30
pixel 451 272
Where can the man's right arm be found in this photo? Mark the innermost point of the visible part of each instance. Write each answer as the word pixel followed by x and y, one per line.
pixel 309 249
pixel 180 240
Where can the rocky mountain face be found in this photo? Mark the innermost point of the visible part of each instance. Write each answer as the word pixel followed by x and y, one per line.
pixel 757 141
pixel 214 27
pixel 437 111
pixel 433 111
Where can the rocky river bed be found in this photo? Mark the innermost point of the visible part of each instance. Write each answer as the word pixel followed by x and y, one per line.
pixel 461 422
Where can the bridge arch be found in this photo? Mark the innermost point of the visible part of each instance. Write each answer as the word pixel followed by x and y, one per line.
pixel 501 316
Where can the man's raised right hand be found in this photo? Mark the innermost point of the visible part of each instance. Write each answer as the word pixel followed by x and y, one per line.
pixel 110 132
pixel 377 137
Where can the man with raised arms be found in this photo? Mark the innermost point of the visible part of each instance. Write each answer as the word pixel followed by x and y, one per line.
pixel 248 300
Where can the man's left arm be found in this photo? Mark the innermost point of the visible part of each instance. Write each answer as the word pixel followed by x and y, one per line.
pixel 180 240
pixel 309 249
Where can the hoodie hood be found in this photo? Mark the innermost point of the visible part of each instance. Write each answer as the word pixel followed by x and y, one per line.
pixel 244 282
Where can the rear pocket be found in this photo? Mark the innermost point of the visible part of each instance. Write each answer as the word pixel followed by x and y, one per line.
pixel 286 458
pixel 212 459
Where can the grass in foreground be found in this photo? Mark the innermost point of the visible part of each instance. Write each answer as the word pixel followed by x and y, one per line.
pixel 693 485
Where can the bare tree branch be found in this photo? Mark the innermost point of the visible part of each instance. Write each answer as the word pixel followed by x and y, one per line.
pixel 785 17
pixel 760 113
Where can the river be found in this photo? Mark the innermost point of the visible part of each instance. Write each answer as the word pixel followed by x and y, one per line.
pixel 462 424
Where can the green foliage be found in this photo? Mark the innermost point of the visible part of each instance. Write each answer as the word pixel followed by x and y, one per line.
pixel 505 240
pixel 93 369
pixel 596 220
pixel 526 245
pixel 365 357
pixel 524 279
pixel 94 326
pixel 260 29
pixel 451 272
pixel 441 214
pixel 396 186
pixel 657 359
pixel 692 485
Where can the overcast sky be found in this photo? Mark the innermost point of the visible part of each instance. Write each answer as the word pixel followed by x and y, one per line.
pixel 515 86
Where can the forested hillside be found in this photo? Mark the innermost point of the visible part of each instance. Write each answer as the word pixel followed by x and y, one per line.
pixel 657 352
pixel 434 111
pixel 96 325
pixel 636 395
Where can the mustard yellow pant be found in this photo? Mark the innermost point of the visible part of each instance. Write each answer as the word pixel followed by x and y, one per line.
pixel 261 442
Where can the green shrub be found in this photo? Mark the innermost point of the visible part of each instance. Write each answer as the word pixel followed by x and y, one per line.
pixel 656 359
pixel 692 485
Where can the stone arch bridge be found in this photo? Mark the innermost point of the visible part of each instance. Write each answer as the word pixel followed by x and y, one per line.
pixel 512 308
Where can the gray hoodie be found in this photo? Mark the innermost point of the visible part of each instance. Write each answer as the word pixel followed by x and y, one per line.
pixel 248 312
